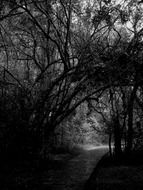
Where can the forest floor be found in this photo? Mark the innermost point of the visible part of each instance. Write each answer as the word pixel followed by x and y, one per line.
pixel 122 175
pixel 65 172
pixel 120 178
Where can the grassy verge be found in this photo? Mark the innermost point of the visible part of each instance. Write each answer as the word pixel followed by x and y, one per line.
pixel 125 173
pixel 120 178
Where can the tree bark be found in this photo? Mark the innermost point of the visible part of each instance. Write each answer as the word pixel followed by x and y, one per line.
pixel 110 145
pixel 117 138
pixel 130 119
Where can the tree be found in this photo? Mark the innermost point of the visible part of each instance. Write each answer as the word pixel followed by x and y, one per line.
pixel 41 61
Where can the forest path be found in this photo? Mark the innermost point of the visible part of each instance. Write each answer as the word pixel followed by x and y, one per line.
pixel 73 174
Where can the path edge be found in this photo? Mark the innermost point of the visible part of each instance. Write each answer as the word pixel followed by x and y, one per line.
pixel 91 182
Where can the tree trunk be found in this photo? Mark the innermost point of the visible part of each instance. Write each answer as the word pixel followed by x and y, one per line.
pixel 130 119
pixel 117 138
pixel 110 145
pixel 130 129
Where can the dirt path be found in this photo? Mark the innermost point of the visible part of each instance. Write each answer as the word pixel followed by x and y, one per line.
pixel 74 173
pixel 69 174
